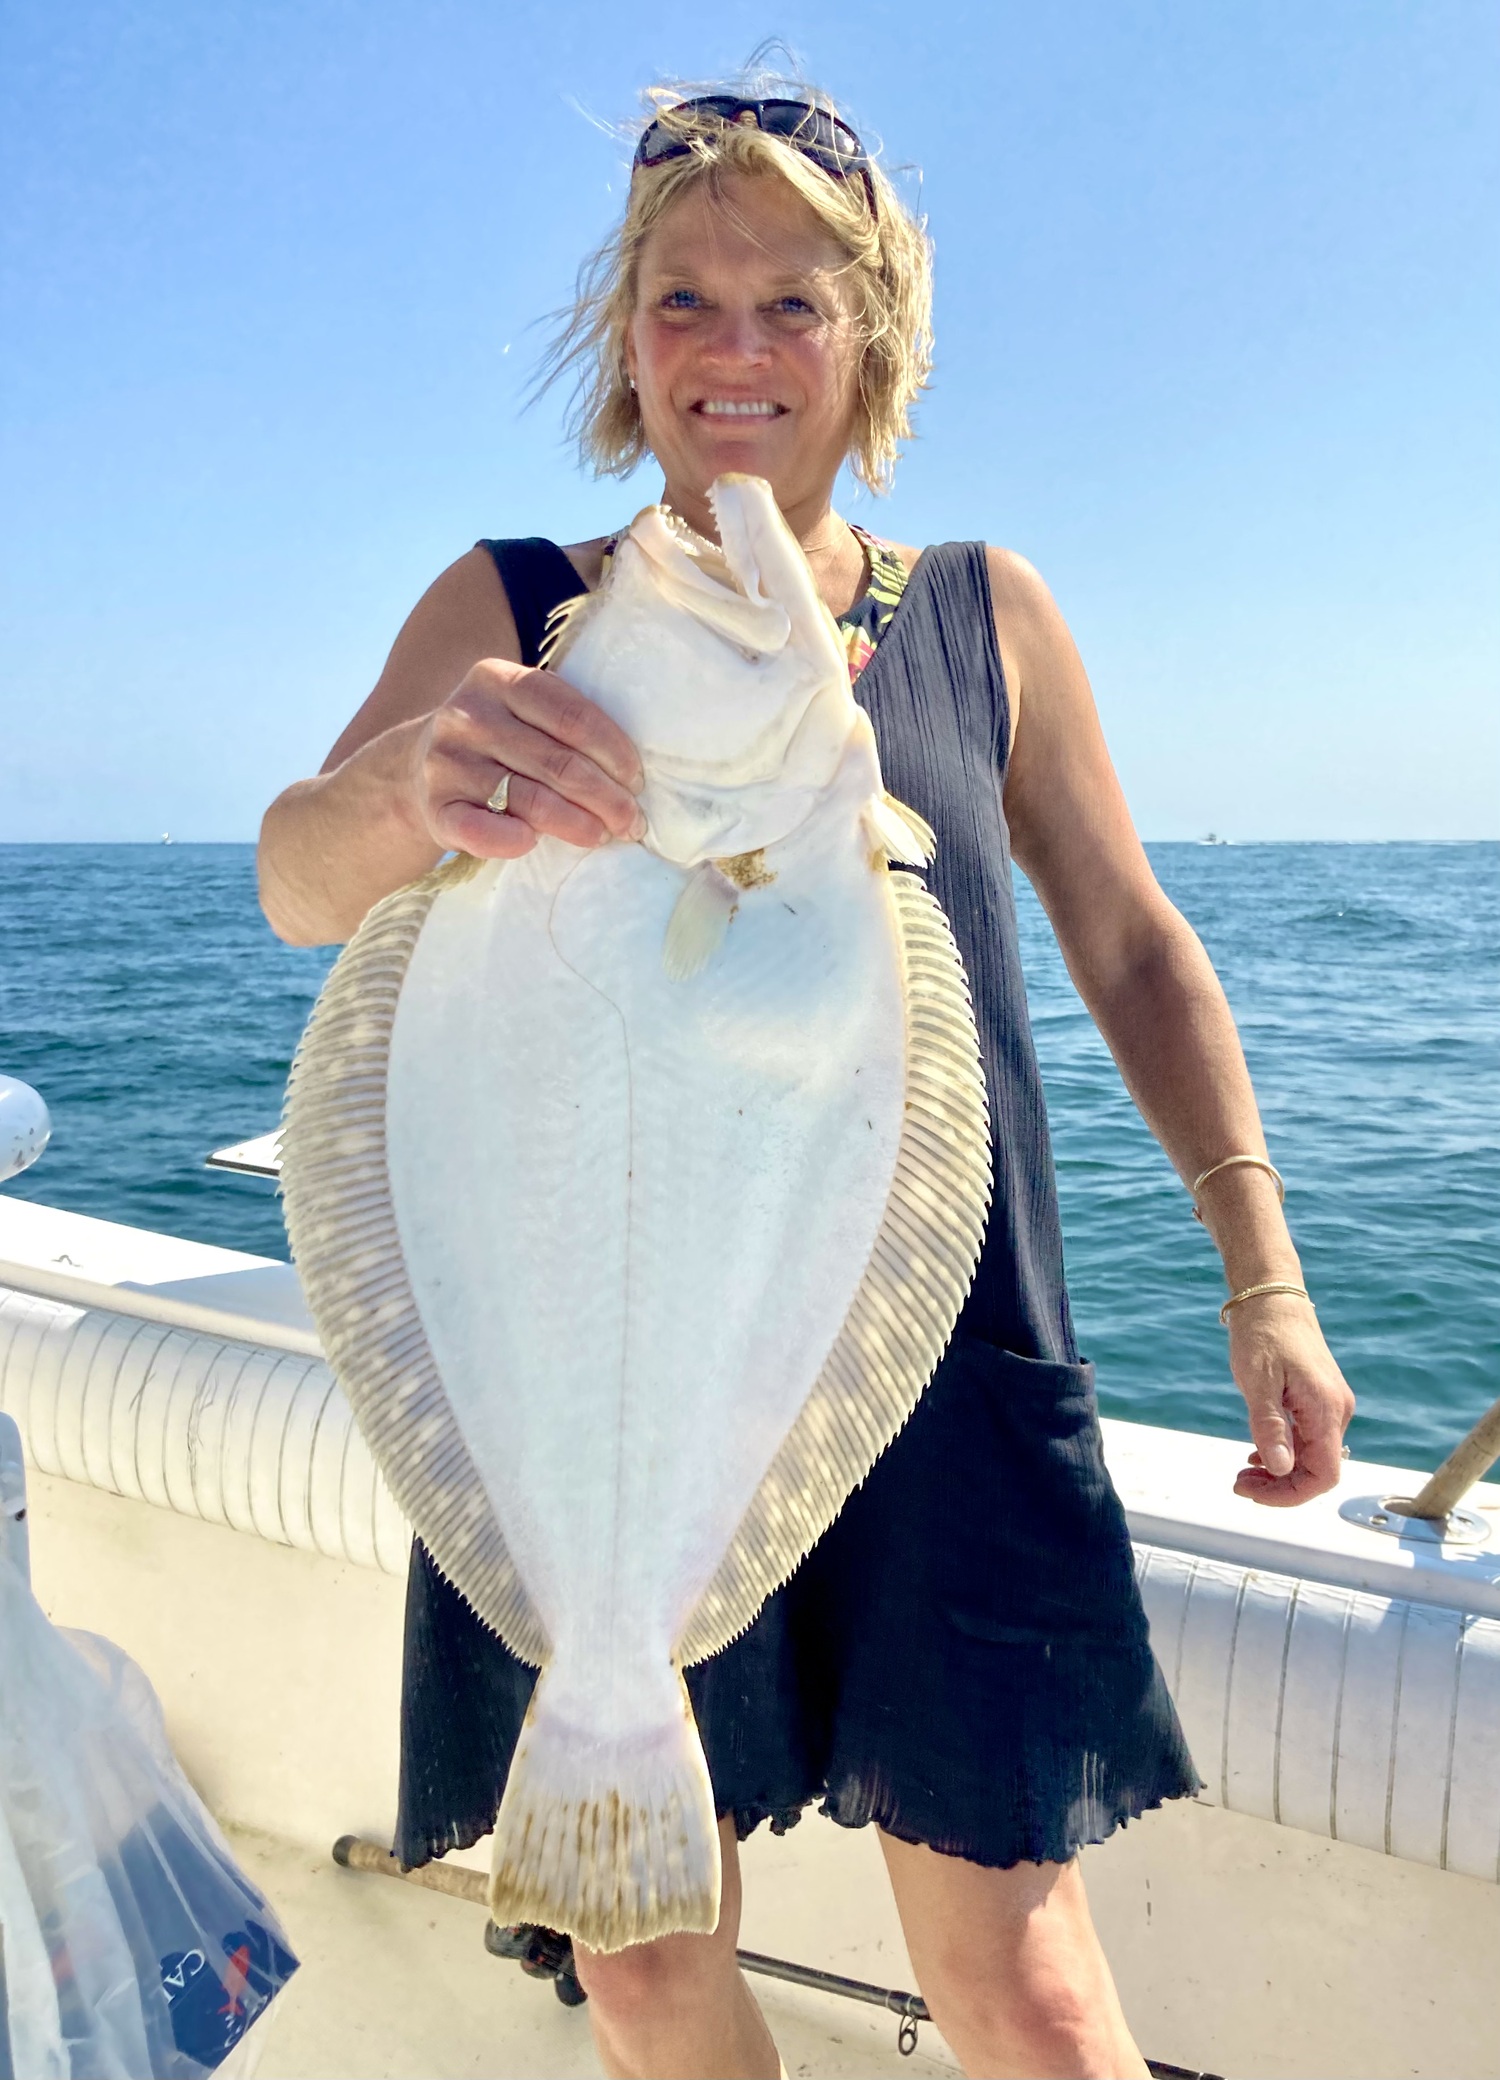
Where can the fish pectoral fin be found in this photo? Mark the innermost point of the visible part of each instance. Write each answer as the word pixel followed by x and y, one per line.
pixel 562 625
pixel 696 928
pixel 899 832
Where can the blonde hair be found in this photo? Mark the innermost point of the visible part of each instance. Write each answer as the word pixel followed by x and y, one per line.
pixel 889 267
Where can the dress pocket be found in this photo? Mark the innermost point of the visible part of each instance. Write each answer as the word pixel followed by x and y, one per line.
pixel 1037 1547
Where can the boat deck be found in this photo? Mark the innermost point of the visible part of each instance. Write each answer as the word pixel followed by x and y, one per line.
pixel 396 1983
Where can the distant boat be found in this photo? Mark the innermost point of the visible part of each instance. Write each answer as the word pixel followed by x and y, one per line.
pixel 1211 839
pixel 166 838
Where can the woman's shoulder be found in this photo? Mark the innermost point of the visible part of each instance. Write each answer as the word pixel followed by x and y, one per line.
pixel 464 615
pixel 587 558
pixel 1027 617
pixel 1012 577
pixel 1024 609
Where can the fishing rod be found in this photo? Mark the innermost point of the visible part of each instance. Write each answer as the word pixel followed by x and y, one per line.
pixel 545 1953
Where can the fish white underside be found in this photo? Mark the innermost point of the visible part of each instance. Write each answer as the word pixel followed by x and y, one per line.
pixel 609 1833
pixel 635 1198
pixel 630 1263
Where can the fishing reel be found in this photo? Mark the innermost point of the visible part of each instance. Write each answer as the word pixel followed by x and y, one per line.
pixel 542 1953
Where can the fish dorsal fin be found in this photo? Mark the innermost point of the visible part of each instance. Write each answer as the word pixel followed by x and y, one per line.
pixel 334 1180
pixel 563 624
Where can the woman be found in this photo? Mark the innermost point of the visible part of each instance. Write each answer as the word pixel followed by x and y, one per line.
pixel 963 1659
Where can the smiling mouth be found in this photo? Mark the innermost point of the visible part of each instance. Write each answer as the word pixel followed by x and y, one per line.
pixel 738 408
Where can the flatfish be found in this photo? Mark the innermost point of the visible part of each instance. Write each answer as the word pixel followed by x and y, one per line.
pixel 636 1192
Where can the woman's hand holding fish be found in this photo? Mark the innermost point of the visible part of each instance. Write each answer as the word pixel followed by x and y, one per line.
pixel 574 773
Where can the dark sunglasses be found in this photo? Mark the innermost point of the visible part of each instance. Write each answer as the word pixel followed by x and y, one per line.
pixel 817 134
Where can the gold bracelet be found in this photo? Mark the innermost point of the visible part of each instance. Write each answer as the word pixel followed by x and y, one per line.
pixel 1229 1163
pixel 1275 1285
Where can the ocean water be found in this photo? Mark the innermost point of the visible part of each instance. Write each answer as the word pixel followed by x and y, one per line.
pixel 142 993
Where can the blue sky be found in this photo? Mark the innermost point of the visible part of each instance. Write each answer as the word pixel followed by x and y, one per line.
pixel 1217 342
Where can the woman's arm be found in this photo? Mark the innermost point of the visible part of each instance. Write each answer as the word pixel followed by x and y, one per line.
pixel 409 778
pixel 1140 969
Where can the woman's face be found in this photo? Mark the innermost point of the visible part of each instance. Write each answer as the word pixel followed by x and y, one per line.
pixel 743 346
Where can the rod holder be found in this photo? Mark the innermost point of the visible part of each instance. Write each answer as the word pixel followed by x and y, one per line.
pixel 1468 1462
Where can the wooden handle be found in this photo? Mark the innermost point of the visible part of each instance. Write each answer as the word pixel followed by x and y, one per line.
pixel 453 1879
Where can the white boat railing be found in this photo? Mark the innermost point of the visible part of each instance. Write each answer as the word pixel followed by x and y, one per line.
pixel 230 1427
pixel 1361 1717
pixel 1365 1719
pixel 203 1317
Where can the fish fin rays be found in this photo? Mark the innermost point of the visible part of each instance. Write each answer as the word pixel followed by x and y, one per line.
pixel 562 625
pixel 343 1233
pixel 898 831
pixel 699 920
pixel 573 1851
pixel 906 1304
pixel 456 870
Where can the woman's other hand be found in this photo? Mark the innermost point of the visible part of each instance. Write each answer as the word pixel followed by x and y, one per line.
pixel 1298 1400
pixel 573 772
pixel 1140 969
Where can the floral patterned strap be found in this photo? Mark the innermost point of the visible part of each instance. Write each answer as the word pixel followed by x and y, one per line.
pixel 870 616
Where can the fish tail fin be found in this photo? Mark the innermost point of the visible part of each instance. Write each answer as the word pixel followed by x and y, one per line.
pixel 614 1841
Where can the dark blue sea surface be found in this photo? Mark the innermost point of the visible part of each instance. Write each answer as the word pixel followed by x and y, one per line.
pixel 145 997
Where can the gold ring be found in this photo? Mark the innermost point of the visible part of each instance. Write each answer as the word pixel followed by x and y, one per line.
pixel 501 796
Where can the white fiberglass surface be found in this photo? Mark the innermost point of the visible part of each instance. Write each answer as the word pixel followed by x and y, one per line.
pixel 635 1211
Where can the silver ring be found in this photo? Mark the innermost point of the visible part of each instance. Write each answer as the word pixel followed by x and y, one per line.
pixel 1345 1452
pixel 501 796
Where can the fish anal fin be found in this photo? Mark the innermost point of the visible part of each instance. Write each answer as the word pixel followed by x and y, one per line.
pixel 696 928
pixel 904 1309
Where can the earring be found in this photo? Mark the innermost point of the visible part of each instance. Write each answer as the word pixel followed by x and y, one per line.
pixel 632 386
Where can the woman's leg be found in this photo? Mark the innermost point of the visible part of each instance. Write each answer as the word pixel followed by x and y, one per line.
pixel 679 2008
pixel 1011 1968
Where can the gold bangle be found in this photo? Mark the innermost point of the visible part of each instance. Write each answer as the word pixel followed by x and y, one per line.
pixel 1230 1163
pixel 1274 1285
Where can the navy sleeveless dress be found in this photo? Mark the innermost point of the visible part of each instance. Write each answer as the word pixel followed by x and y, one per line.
pixel 963 1657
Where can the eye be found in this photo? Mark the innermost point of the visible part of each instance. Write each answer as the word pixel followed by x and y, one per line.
pixel 797 306
pixel 680 300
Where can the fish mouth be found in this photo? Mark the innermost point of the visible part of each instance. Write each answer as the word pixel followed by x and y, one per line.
pixel 739 410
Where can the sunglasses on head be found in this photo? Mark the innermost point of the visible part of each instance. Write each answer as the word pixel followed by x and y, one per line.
pixel 815 132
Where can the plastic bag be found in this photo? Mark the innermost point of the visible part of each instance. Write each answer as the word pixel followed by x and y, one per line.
pixel 131 1945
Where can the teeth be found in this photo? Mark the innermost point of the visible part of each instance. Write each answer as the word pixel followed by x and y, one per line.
pixel 723 408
